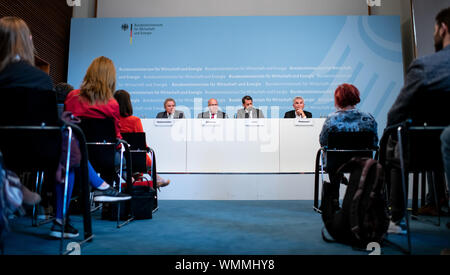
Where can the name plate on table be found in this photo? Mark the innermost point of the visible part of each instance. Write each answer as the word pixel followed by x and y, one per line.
pixel 211 122
pixel 303 122
pixel 254 122
pixel 163 122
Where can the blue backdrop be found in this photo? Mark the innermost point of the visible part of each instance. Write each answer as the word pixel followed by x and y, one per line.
pixel 271 58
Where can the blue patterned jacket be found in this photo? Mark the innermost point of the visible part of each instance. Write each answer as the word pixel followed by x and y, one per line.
pixel 348 121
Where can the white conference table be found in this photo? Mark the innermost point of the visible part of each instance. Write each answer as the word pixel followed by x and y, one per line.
pixel 234 145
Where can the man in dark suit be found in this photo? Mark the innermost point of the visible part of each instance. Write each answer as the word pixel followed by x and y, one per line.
pixel 213 112
pixel 169 105
pixel 426 74
pixel 298 112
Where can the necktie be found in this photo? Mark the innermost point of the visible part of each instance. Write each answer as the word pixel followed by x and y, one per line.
pixel 246 115
pixel 212 115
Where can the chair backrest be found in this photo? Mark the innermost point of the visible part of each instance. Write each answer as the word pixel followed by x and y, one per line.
pixel 101 141
pixel 345 142
pixel 30 129
pixel 138 151
pixel 25 106
pixel 135 140
pixel 98 129
pixel 430 107
pixel 351 140
pixel 423 144
pixel 422 149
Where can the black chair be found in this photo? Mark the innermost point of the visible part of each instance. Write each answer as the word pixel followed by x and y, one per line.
pixel 31 140
pixel 419 144
pixel 342 146
pixel 102 146
pixel 420 152
pixel 138 151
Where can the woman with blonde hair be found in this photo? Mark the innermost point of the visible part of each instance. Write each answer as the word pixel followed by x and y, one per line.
pixel 95 98
pixel 17 57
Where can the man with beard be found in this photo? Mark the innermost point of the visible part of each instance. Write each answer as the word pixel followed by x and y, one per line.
pixel 425 75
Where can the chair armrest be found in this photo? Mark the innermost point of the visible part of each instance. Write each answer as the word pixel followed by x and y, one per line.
pixel 121 141
pixel 392 128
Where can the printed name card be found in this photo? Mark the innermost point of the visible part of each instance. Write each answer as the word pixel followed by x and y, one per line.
pixel 163 122
pixel 254 122
pixel 211 122
pixel 303 122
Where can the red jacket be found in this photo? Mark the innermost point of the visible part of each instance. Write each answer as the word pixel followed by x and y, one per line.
pixel 131 124
pixel 80 107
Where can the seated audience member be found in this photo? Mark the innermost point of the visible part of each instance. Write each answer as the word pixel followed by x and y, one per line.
pixel 62 90
pixel 170 112
pixel 249 111
pixel 17 57
pixel 17 69
pixel 346 119
pixel 213 111
pixel 298 112
pixel 425 74
pixel 95 99
pixel 133 124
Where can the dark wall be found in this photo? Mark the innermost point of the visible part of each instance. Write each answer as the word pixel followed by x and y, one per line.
pixel 49 22
pixel 424 19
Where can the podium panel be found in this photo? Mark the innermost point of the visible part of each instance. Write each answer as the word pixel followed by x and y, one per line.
pixel 169 142
pixel 299 143
pixel 233 145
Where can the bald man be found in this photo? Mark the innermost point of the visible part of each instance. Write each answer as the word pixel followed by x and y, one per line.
pixel 213 111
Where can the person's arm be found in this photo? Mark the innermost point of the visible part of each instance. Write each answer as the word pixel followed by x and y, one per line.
pixel 139 127
pixel 115 113
pixel 301 113
pixel 323 137
pixel 372 126
pixel 375 130
pixel 413 83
